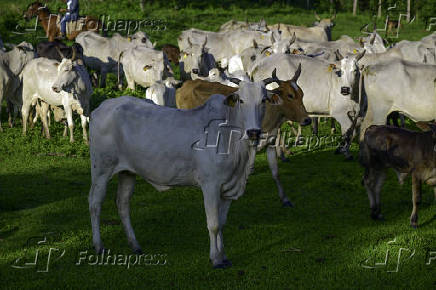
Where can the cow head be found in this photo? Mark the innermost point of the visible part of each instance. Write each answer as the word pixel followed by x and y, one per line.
pixel 140 38
pixel 65 77
pixel 196 59
pixel 33 9
pixel 325 22
pixel 291 94
pixel 249 105
pixel 284 46
pixel 348 72
pixel 373 43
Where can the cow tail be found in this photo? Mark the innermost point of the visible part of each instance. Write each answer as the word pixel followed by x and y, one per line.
pixel 119 64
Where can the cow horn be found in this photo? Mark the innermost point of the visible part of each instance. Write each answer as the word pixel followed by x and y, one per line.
pixel 360 55
pixel 338 54
pixel 189 42
pixel 272 79
pixel 333 17
pixel 297 74
pixel 374 34
pixel 317 17
pixel 59 51
pixel 235 81
pixel 204 44
pixel 294 37
pixel 364 26
pixel 264 49
pixel 255 43
pixel 73 57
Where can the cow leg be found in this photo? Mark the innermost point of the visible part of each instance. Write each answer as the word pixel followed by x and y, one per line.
pixel 85 134
pixel 211 195
pixel 332 126
pixel 43 115
pixel 416 199
pixel 103 74
pixel 315 125
pixel 223 211
pixel 373 180
pixel 126 185
pixel 272 162
pixel 25 115
pixel 64 134
pixel 95 199
pixel 69 115
pixel 11 114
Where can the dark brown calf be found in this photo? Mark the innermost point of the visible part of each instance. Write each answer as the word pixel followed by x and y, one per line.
pixel 405 151
pixel 172 52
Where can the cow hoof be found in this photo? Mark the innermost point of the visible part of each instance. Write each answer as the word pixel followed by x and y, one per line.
pixel 285 159
pixel 338 151
pixel 288 204
pixel 223 265
pixel 415 226
pixel 349 157
pixel 377 217
pixel 138 251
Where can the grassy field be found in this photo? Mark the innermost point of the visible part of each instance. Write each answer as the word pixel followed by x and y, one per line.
pixel 326 241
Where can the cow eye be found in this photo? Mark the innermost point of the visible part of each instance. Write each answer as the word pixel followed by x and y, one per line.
pixel 291 96
pixel 240 101
pixel 253 57
pixel 339 73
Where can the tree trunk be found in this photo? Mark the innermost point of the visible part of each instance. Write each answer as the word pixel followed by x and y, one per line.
pixel 354 7
pixel 379 8
pixel 408 11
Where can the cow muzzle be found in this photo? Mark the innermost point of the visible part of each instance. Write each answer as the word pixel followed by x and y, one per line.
pixel 345 91
pixel 56 89
pixel 306 121
pixel 253 136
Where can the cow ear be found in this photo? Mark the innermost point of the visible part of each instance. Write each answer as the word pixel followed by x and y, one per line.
pixel 231 100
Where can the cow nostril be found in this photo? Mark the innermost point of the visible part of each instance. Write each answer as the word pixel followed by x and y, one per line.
pixel 55 89
pixel 306 121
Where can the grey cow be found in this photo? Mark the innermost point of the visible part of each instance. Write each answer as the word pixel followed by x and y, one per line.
pixel 209 147
pixel 11 65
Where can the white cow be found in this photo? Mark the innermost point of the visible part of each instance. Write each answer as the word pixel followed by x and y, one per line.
pixel 399 85
pixel 170 147
pixel 330 89
pixel 65 84
pixel 11 65
pixel 102 53
pixel 144 66
pixel 163 93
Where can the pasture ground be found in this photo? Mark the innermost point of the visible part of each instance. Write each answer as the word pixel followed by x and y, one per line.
pixel 326 241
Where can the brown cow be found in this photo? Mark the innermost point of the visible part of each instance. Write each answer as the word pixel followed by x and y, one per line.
pixel 405 151
pixel 195 93
pixel 172 52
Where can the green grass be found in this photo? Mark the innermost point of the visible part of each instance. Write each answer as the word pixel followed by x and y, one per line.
pixel 321 243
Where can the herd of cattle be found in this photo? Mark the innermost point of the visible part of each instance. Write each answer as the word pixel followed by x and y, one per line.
pixel 237 85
